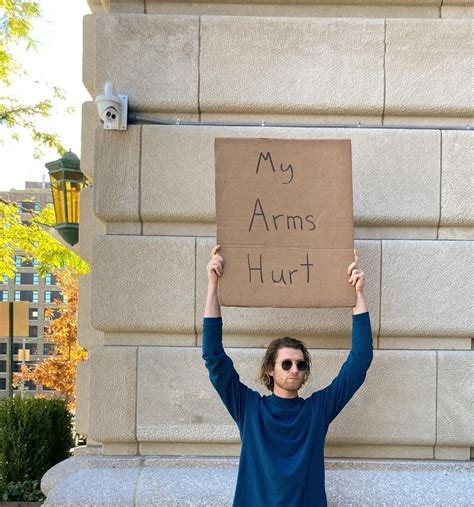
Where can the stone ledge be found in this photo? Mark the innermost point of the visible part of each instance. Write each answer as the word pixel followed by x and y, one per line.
pixel 167 481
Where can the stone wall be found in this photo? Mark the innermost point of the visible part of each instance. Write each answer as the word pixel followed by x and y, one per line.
pixel 148 224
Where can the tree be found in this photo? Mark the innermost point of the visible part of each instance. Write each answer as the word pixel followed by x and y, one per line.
pixel 16 23
pixel 33 242
pixel 58 372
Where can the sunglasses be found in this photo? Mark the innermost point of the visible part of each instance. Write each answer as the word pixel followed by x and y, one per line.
pixel 286 364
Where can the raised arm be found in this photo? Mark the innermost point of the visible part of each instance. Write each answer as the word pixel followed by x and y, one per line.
pixel 221 369
pixel 215 269
pixel 353 372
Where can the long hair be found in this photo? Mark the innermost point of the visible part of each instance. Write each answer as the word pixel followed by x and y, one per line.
pixel 268 362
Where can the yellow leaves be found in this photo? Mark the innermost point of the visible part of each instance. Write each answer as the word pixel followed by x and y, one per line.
pixel 58 372
pixel 33 242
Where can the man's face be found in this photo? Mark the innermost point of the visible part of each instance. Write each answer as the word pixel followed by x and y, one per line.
pixel 287 380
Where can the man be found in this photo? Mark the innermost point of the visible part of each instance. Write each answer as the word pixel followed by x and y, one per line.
pixel 282 435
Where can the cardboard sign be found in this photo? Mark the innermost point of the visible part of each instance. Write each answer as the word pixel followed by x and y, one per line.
pixel 284 222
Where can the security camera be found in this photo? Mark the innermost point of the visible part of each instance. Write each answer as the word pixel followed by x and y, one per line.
pixel 113 109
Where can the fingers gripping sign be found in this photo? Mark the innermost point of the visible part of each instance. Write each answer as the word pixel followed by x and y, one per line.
pixel 215 267
pixel 356 275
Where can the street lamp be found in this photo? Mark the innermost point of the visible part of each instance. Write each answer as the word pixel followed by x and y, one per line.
pixel 67 181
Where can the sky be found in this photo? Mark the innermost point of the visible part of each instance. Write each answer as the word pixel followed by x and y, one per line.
pixel 57 61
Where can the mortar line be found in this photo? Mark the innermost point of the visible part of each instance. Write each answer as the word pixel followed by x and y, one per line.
pixel 441 9
pixel 440 180
pixel 145 9
pixel 136 399
pixel 140 181
pixel 195 292
pixel 380 298
pixel 436 406
pixel 384 69
pixel 199 70
pixel 140 468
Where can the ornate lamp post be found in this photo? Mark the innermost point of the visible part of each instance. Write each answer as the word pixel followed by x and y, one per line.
pixel 67 181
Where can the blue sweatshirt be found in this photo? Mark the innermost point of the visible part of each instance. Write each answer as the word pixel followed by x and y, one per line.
pixel 282 452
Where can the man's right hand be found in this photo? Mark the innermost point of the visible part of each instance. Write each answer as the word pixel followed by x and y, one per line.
pixel 215 267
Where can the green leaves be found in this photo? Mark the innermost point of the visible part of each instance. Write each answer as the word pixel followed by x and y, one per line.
pixel 33 241
pixel 15 27
pixel 35 434
pixel 16 21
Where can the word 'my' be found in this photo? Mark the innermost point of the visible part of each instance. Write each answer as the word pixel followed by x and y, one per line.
pixel 268 158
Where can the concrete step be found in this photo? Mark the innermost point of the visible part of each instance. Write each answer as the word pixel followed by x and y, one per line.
pixel 96 480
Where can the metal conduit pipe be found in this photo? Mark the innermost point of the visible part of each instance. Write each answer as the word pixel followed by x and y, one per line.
pixel 135 118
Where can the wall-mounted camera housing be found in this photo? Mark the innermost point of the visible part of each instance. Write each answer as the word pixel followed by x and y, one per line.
pixel 112 108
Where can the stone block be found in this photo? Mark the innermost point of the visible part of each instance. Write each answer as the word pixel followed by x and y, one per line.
pixel 298 67
pixel 427 288
pixel 395 406
pixel 88 52
pixel 124 6
pixel 113 387
pixel 82 398
pixel 152 59
pixel 379 451
pixel 264 324
pixel 455 399
pixel 87 336
pixel 120 449
pixel 178 173
pixel 117 174
pixel 190 411
pixel 452 453
pixel 457 11
pixel 301 9
pixel 90 225
pixel 90 121
pixel 457 186
pixel 429 68
pixel 424 343
pixel 143 284
pixel 100 486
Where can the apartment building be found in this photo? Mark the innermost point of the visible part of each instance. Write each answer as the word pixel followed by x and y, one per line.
pixel 27 285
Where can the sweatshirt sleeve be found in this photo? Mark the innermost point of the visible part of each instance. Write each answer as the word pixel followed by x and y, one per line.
pixel 353 372
pixel 221 369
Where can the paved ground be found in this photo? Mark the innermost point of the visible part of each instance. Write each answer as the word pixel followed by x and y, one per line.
pixel 196 481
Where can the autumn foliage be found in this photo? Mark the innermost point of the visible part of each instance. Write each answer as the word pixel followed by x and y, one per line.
pixel 58 372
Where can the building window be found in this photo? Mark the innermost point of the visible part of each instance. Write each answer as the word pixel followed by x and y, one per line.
pixel 37 206
pixel 47 296
pixel 5 279
pixel 35 263
pixel 26 279
pixel 33 313
pixel 30 386
pixel 49 279
pixel 26 206
pixel 32 347
pixel 18 261
pixel 3 348
pixel 33 331
pixel 48 349
pixel 3 295
pixel 47 388
pixel 3 366
pixel 57 294
pixel 3 384
pixel 26 295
